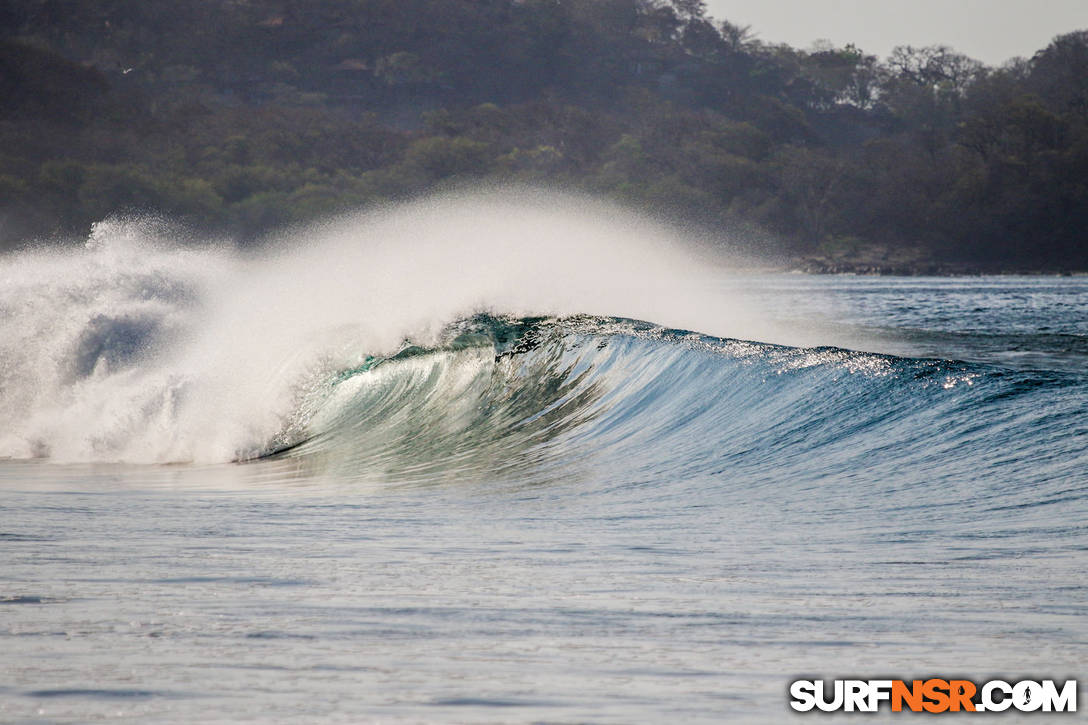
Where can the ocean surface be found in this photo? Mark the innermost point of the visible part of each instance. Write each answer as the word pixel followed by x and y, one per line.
pixel 345 483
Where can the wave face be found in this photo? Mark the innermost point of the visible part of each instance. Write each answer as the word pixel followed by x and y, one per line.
pixel 627 403
pixel 449 341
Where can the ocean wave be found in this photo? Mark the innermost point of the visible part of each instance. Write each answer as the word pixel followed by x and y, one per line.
pixel 516 398
pixel 451 339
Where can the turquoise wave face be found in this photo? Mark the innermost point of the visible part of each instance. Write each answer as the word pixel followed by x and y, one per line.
pixel 627 403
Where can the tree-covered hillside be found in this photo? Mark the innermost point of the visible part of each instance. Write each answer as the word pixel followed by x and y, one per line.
pixel 240 115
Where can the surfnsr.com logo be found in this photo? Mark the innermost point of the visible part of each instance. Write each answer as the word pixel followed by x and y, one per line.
pixel 933 695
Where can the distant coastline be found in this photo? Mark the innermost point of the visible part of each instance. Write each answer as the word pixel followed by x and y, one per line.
pixel 237 119
pixel 812 264
pixel 963 269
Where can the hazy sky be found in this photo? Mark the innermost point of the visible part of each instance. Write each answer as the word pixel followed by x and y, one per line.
pixel 990 30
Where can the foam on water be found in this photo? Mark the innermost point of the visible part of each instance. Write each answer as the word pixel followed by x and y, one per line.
pixel 135 348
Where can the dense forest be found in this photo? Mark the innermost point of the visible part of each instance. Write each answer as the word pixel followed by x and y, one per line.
pixel 238 116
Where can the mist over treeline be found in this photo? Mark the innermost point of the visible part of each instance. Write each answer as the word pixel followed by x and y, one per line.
pixel 240 116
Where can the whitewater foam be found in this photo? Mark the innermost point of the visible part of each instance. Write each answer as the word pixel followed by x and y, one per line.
pixel 142 347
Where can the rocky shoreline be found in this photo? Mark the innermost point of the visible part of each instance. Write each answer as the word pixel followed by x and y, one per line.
pixel 818 265
pixel 879 259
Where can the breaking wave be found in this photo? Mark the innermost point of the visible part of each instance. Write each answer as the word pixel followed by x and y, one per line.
pixel 488 338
